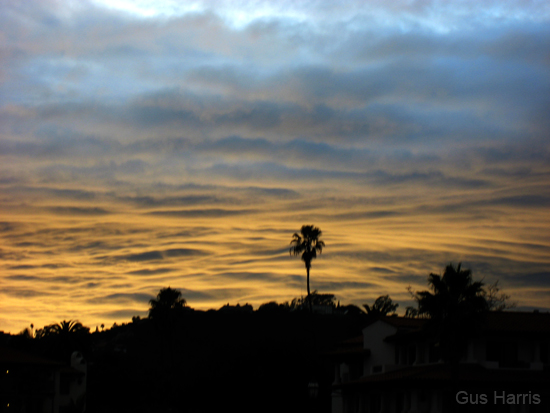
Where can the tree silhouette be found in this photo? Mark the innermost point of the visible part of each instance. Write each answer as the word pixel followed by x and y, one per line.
pixel 453 307
pixel 273 307
pixel 166 311
pixel 61 339
pixel 496 300
pixel 168 301
pixel 26 333
pixel 307 243
pixel 315 298
pixel 63 329
pixel 381 307
pixel 455 295
pixel 69 327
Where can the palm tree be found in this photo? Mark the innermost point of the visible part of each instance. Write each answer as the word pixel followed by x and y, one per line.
pixel 453 307
pixel 454 294
pixel 63 338
pixel 62 329
pixel 65 328
pixel 307 244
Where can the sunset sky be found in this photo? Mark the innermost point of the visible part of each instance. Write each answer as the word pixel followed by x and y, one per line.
pixel 146 144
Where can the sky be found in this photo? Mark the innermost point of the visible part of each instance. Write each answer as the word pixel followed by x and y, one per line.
pixel 147 144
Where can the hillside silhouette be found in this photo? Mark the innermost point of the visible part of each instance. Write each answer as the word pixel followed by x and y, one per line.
pixel 279 357
pixel 184 360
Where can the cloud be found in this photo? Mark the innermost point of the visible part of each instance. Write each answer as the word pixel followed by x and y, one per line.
pixel 124 297
pixel 144 256
pixel 20 292
pixel 412 133
pixel 24 277
pixel 117 315
pixel 366 215
pixel 72 194
pixel 533 201
pixel 335 286
pixel 204 213
pixel 541 279
pixel 155 255
pixel 77 211
pixel 148 272
pixel 249 276
pixel 149 202
pixel 183 252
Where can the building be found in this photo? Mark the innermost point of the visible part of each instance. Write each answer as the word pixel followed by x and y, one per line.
pixel 395 367
pixel 33 384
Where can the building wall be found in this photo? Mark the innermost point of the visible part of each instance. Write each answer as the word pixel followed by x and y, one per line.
pixel 508 352
pixel 382 354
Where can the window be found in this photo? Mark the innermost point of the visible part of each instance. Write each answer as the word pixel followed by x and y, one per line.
pixel 434 355
pixel 400 403
pixel 421 353
pixel 356 370
pixel 492 351
pixel 544 351
pixel 412 354
pixel 505 353
pixel 403 355
pixel 375 402
pixel 65 384
pixel 509 354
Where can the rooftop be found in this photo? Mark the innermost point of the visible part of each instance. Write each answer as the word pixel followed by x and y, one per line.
pixel 440 372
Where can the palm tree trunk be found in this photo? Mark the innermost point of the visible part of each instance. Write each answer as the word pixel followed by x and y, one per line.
pixel 308 293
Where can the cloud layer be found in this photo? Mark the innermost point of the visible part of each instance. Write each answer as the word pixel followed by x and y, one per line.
pixel 143 146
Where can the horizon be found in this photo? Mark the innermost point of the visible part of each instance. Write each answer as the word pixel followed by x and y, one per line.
pixel 153 144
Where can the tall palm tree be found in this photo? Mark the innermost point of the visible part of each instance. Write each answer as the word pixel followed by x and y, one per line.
pixel 453 307
pixel 307 243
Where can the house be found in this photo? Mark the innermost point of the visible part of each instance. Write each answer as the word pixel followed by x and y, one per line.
pixel 33 384
pixel 395 366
